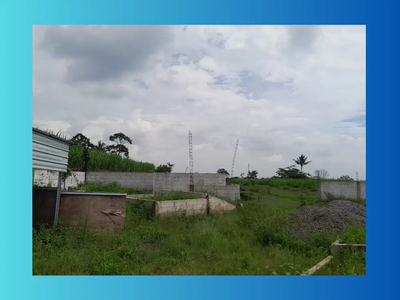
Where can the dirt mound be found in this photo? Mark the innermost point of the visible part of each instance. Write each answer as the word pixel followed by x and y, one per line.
pixel 335 217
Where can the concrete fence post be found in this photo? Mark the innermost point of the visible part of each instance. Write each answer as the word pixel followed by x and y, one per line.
pixel 319 190
pixel 358 190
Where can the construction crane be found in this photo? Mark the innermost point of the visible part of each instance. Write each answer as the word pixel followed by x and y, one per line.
pixel 191 186
pixel 234 157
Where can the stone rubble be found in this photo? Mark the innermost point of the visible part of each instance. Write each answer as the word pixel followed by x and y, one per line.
pixel 334 217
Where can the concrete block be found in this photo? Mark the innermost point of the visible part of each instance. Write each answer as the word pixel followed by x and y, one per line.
pixel 338 247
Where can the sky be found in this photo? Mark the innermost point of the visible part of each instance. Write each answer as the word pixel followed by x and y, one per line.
pixel 281 90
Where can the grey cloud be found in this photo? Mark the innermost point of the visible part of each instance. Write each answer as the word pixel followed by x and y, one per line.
pixel 217 113
pixel 358 119
pixel 98 53
pixel 252 83
pixel 302 36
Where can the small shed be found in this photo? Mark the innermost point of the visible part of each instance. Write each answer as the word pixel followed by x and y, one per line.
pixel 50 152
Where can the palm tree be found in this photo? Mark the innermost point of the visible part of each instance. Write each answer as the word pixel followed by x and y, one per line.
pixel 301 161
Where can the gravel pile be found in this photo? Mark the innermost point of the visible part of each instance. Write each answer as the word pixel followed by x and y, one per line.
pixel 336 216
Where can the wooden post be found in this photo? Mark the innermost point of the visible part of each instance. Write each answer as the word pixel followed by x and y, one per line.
pixel 208 203
pixel 57 200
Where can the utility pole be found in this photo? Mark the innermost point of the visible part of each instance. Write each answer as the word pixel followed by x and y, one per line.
pixel 191 185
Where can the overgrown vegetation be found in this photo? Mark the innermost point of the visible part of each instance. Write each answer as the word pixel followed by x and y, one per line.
pixel 249 241
pixel 164 168
pixel 354 236
pixel 102 161
pixel 111 188
pixel 349 262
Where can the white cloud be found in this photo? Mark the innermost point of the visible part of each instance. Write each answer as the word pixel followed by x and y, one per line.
pixel 274 158
pixel 287 90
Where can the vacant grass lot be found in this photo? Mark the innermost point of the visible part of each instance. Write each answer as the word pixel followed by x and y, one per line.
pixel 249 241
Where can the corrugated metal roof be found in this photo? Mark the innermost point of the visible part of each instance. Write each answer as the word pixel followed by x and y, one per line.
pixel 49 152
pixel 54 136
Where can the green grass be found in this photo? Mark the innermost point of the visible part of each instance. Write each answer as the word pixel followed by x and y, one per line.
pixel 249 241
pixel 175 196
pixel 349 262
pixel 101 161
pixel 305 184
pixel 354 236
pixel 112 188
pixel 229 244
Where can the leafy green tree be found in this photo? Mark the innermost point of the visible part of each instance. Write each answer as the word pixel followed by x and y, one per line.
pixel 119 148
pixel 301 161
pixel 86 160
pixel 252 175
pixel 291 172
pixel 81 140
pixel 164 168
pixel 223 172
pixel 346 177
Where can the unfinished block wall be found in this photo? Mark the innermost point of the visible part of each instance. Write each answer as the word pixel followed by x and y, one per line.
pixel 140 181
pixel 346 190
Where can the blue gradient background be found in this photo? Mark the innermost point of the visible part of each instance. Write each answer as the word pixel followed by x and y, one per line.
pixel 16 20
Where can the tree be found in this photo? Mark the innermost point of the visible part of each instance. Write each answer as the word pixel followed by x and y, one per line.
pixel 86 160
pixel 119 148
pixel 321 174
pixel 291 172
pixel 301 161
pixel 164 168
pixel 252 175
pixel 81 140
pixel 346 177
pixel 101 146
pixel 223 172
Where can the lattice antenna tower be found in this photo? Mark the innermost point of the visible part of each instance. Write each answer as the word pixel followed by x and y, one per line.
pixel 234 157
pixel 191 162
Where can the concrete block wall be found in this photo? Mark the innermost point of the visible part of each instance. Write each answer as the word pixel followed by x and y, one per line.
pixel 229 191
pixel 181 181
pixel 192 207
pixel 50 178
pixel 156 182
pixel 140 181
pixel 219 206
pixel 345 189
pixel 362 190
pixel 188 207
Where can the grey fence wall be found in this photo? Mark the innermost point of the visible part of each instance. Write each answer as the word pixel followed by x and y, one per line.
pixel 140 181
pixel 163 182
pixel 345 190
pixel 228 191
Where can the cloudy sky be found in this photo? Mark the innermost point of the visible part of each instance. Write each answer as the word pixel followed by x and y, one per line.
pixel 282 90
